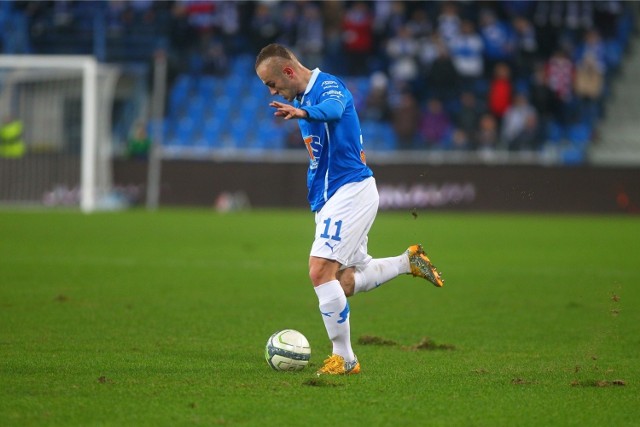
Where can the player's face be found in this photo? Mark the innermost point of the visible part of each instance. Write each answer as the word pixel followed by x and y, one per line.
pixel 278 82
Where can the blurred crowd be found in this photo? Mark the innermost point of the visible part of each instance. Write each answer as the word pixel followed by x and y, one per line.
pixel 444 74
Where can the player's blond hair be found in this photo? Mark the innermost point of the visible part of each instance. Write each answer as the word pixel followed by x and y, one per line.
pixel 275 50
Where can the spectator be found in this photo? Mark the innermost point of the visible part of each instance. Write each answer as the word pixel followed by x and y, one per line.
pixel 514 8
pixel 500 90
pixel 62 14
pixel 201 19
pixel 419 24
pixel 461 140
pixel 520 125
pixel 606 16
pixel 547 19
pixel 201 15
pixel 435 125
pixel 578 16
pixel 448 21
pixel 525 47
pixel 377 103
pixel 405 120
pixel 559 75
pixel 594 47
pixel 12 144
pixel 443 78
pixel 181 36
pixel 288 16
pixel 215 61
pixel 389 17
pixel 467 54
pixel 263 28
pixel 589 86
pixel 498 40
pixel 428 49
pixel 357 27
pixel 310 35
pixel 332 17
pixel 139 143
pixel 144 11
pixel 541 98
pixel 402 51
pixel 467 118
pixel 119 16
pixel 228 22
pixel 487 134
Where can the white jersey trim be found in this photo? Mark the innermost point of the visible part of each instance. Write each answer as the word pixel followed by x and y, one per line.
pixel 326 175
pixel 314 76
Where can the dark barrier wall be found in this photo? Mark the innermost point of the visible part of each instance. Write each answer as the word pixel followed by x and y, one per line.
pixel 517 188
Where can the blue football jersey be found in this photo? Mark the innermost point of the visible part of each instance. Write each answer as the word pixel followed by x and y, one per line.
pixel 332 136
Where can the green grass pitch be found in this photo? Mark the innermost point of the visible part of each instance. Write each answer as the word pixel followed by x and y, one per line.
pixel 160 319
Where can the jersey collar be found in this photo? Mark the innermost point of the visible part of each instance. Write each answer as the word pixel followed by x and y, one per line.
pixel 312 81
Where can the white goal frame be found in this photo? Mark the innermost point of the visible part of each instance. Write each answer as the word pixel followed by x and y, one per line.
pixel 89 67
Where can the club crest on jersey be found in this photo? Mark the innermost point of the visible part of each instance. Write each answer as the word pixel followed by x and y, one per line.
pixel 314 147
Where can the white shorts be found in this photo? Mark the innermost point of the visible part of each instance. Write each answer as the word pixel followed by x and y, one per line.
pixel 343 223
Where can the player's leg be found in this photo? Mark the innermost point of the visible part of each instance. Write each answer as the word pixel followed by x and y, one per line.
pixel 333 305
pixel 372 273
pixel 421 265
pixel 381 270
pixel 341 225
pixel 362 273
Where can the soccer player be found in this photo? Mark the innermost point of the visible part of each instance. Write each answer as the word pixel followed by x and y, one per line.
pixel 342 194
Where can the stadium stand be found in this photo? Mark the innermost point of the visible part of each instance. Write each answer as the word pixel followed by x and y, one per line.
pixel 214 98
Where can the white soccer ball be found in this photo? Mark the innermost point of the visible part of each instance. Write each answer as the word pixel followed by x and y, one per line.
pixel 287 350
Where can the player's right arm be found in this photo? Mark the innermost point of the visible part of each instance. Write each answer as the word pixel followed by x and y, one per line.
pixel 287 111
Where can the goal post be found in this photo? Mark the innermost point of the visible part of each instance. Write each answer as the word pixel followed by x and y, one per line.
pixel 59 99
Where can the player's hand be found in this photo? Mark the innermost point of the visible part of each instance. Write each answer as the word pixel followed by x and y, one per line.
pixel 287 111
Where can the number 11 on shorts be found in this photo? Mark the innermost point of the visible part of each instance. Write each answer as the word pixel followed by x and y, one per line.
pixel 327 227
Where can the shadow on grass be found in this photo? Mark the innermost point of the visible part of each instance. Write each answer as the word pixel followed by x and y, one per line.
pixel 320 382
pixel 597 383
pixel 425 344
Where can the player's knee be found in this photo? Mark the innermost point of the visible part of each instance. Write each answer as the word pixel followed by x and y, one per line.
pixel 321 272
pixel 347 281
pixel 317 276
pixel 348 288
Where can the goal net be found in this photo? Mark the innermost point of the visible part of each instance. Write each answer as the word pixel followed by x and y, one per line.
pixel 55 130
